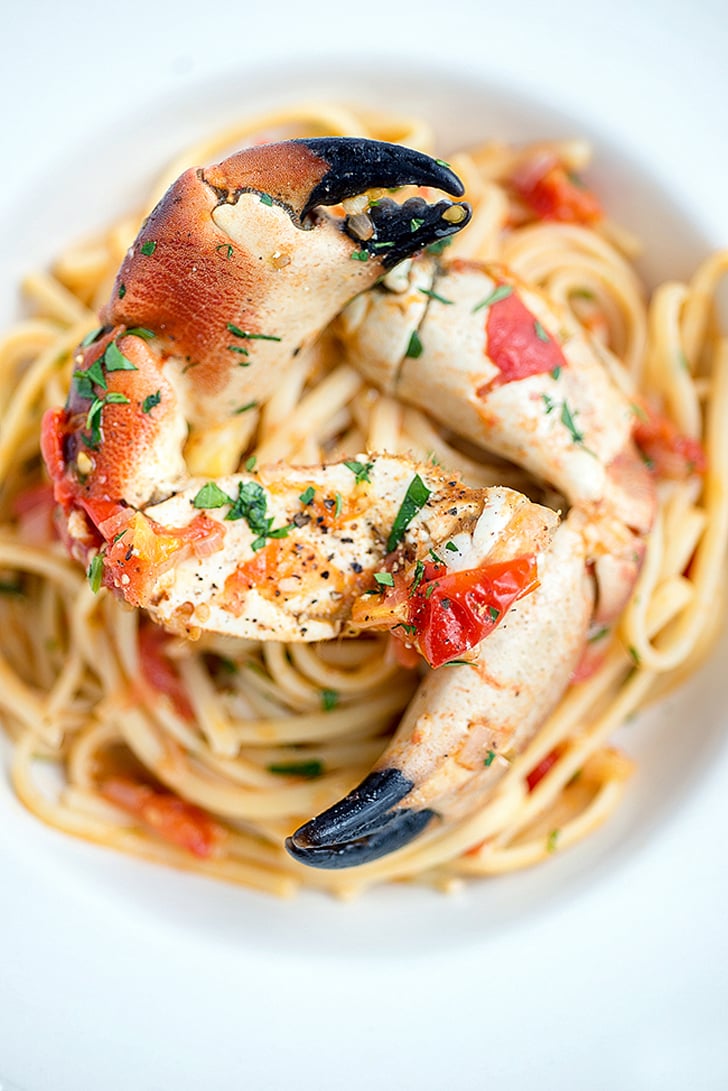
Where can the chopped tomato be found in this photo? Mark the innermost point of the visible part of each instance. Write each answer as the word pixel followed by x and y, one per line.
pixel 451 612
pixel 544 766
pixel 547 188
pixel 158 670
pixel 669 453
pixel 518 344
pixel 166 814
pixel 34 508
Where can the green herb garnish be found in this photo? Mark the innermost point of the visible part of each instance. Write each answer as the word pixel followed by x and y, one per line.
pixel 434 295
pixel 266 199
pixel 211 496
pixel 307 495
pixel 151 400
pixel 489 758
pixel 540 331
pixel 384 579
pixel 414 500
pixel 115 360
pixel 95 573
pixel 360 470
pixel 415 347
pixel 501 292
pixel 308 769
pixel 148 247
pixel 237 332
pixel 329 699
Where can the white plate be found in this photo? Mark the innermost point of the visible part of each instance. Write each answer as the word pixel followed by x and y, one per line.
pixel 605 969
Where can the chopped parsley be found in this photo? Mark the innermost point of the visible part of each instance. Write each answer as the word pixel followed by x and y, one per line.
pixel 415 347
pixel 540 331
pixel 360 255
pixel 96 374
pixel 437 248
pixel 237 332
pixel 211 496
pixel 501 292
pixel 250 463
pixel 415 224
pixel 434 295
pixel 95 573
pixel 226 248
pixel 489 758
pixel 114 397
pixel 493 613
pixel 384 579
pixel 634 655
pixel 414 500
pixel 329 699
pixel 92 336
pixel 122 291
pixel 556 373
pixel 151 400
pixel 308 769
pixel 451 547
pixel 266 199
pixel 115 360
pixel 360 470
pixel 418 574
pixel 410 630
pixel 140 331
pixel 245 408
pixel 339 505
pixel 567 419
pixel 598 634
pixel 307 495
pixel 149 247
pixel 551 840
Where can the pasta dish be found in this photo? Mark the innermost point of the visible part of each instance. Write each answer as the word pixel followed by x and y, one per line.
pixel 342 517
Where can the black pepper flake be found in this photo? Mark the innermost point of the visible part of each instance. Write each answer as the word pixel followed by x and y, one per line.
pixel 329 503
pixel 453 511
pixel 347 541
pixel 325 575
pixel 356 567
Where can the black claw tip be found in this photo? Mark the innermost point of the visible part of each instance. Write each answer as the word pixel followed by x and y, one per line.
pixel 403 230
pixel 361 827
pixel 356 165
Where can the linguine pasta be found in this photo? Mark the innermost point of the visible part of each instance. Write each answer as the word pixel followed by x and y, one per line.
pixel 260 736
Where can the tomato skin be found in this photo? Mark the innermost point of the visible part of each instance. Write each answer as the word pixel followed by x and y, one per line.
pixel 544 766
pixel 158 670
pixel 451 612
pixel 670 453
pixel 515 346
pixel 172 818
pixel 544 184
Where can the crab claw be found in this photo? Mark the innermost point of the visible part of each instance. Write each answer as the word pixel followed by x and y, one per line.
pixel 362 827
pixel 239 267
pixel 465 725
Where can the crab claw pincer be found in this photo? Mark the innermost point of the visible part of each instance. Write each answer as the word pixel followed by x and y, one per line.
pixel 240 267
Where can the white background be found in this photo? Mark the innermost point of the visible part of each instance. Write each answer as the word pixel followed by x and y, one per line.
pixel 619 984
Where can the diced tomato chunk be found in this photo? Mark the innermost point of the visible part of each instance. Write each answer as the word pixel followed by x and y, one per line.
pixel 518 344
pixel 539 772
pixel 552 194
pixel 669 453
pixel 451 612
pixel 172 818
pixel 159 671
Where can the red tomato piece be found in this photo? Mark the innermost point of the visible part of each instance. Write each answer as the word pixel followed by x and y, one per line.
pixel 552 194
pixel 166 814
pixel 539 772
pixel 669 452
pixel 518 344
pixel 451 613
pixel 159 671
